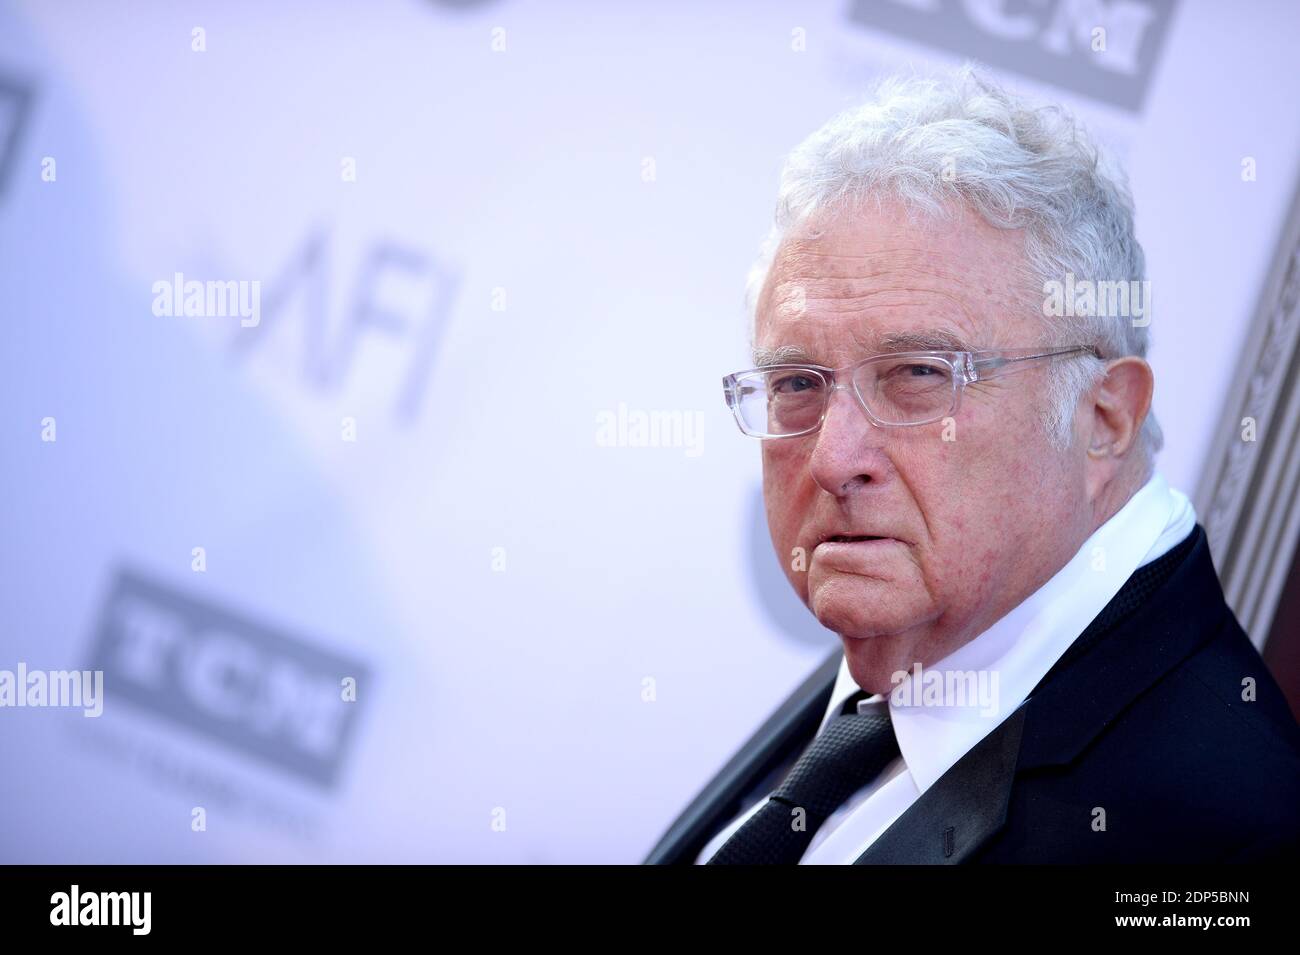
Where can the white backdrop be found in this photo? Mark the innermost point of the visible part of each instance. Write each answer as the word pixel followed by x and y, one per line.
pixel 537 237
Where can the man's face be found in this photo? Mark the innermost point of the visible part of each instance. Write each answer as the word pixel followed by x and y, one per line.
pixel 972 525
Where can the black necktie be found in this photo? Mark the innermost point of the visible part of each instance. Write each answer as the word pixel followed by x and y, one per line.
pixel 844 757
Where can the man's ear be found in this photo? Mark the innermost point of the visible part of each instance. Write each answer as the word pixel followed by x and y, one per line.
pixel 1122 401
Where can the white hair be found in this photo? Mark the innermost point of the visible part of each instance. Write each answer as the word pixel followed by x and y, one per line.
pixel 959 138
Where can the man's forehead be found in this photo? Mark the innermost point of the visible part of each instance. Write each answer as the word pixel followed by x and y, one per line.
pixel 937 338
pixel 886 271
pixel 882 320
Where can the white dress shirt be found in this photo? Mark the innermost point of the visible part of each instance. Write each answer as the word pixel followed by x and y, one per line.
pixel 1017 652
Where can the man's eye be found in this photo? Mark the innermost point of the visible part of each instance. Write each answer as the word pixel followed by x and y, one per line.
pixel 794 384
pixel 913 370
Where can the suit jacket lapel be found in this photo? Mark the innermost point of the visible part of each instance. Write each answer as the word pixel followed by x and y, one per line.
pixel 964 807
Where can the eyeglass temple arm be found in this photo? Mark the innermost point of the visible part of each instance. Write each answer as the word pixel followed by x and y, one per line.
pixel 992 364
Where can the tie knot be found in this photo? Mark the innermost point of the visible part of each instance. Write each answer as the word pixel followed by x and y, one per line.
pixel 851 704
pixel 849 753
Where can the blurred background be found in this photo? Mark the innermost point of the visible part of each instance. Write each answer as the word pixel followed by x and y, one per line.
pixel 464 443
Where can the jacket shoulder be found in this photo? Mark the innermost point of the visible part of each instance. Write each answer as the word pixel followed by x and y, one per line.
pixel 1203 766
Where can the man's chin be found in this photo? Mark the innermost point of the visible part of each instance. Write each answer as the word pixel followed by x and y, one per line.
pixel 852 605
pixel 877 625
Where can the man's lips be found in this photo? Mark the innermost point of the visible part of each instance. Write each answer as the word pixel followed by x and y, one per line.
pixel 823 539
pixel 846 546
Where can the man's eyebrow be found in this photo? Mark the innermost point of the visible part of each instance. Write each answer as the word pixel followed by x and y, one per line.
pixel 784 355
pixel 923 340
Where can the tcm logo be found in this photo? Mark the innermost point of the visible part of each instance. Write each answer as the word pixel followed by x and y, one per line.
pixel 1104 49
pixel 260 691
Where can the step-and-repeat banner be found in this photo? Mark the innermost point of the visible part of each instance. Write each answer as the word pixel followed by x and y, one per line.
pixel 367 481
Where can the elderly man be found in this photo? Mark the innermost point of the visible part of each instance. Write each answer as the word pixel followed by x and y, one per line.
pixel 1037 661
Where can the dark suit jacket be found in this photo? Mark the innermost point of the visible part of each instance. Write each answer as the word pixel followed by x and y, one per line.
pixel 1142 718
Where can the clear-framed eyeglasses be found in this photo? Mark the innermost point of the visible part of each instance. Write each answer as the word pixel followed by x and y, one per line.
pixel 896 389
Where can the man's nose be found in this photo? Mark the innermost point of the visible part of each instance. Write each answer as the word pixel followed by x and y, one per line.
pixel 849 446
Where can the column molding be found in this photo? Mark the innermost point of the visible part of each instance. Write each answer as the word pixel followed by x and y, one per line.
pixel 1248 497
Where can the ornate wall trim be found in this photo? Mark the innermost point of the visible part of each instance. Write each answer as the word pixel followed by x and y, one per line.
pixel 1249 494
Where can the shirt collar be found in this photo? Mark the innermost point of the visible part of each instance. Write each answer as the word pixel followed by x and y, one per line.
pixel 1018 650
